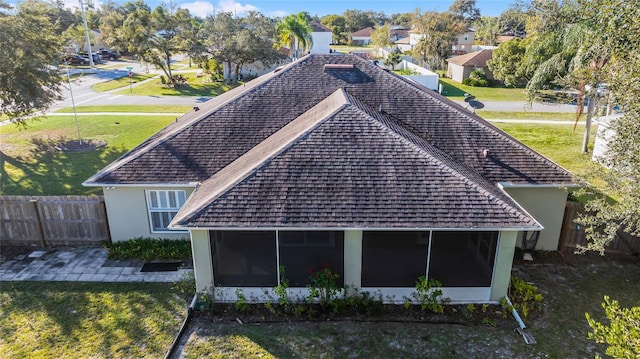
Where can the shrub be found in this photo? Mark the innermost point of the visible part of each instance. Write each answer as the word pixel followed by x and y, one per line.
pixel 324 285
pixel 621 334
pixel 150 249
pixel 429 298
pixel 477 78
pixel 525 297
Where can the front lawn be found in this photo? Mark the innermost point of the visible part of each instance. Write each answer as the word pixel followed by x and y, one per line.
pixel 456 91
pixel 120 82
pixel 547 116
pixel 30 165
pixel 88 320
pixel 196 86
pixel 129 108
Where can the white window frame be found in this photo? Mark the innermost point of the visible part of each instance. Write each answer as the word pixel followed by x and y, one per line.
pixel 163 199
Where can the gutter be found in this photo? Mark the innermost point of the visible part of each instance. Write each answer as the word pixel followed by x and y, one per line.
pixel 178 338
pixel 522 329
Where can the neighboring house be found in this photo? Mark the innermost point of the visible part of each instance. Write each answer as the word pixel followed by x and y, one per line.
pixel 321 37
pixel 404 44
pixel 464 43
pixel 334 160
pixel 362 37
pixel 604 136
pixel 460 67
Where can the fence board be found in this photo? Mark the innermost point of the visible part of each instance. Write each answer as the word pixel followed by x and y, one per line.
pixel 65 220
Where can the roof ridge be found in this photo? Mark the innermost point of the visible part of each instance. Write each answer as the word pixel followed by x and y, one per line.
pixel 456 168
pixel 235 172
pixel 208 108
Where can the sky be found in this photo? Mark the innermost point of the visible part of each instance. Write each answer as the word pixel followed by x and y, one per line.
pixel 278 8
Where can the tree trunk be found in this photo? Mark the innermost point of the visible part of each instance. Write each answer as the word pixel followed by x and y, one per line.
pixel 587 129
pixel 169 66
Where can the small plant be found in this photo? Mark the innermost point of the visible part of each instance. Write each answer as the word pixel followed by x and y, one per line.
pixel 429 298
pixel 241 303
pixel 186 286
pixel 282 289
pixel 205 301
pixel 324 285
pixel 525 297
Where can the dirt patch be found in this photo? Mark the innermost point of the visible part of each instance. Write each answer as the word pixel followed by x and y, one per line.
pixel 80 146
pixel 10 252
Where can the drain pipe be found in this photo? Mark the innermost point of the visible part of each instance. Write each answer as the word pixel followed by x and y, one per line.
pixel 176 341
pixel 522 330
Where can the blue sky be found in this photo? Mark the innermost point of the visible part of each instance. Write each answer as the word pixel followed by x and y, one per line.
pixel 275 8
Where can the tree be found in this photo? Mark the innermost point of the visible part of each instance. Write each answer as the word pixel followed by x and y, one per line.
pixel 29 47
pixel 513 21
pixel 438 32
pixel 465 10
pixel 294 31
pixel 337 25
pixel 507 62
pixel 621 334
pixel 615 22
pixel 381 36
pixel 487 30
pixel 393 59
pixel 357 20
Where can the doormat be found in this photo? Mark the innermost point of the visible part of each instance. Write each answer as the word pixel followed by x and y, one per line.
pixel 160 266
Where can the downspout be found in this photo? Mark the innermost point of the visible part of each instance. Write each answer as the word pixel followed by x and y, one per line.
pixel 522 330
pixel 190 311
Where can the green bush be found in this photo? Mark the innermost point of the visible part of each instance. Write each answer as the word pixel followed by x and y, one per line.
pixel 477 78
pixel 525 297
pixel 150 249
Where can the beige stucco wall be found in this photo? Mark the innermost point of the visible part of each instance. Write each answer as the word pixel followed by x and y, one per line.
pixel 546 205
pixel 128 214
pixel 352 258
pixel 455 72
pixel 504 261
pixel 202 263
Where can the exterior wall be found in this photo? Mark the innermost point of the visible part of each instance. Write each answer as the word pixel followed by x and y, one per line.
pixel 360 40
pixel 202 263
pixel 321 42
pixel 456 72
pixel 352 258
pixel 426 78
pixel 546 205
pixel 502 269
pixel 128 214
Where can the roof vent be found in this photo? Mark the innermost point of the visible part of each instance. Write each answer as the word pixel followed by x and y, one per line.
pixel 345 67
pixel 485 153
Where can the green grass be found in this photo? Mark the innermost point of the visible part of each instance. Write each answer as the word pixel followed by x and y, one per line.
pixel 557 142
pixel 455 90
pixel 88 320
pixel 197 86
pixel 552 116
pixel 129 108
pixel 120 82
pixel 27 169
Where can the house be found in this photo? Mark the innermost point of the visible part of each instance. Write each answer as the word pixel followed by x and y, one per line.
pixel 464 42
pixel 460 67
pixel 362 37
pixel 334 160
pixel 321 37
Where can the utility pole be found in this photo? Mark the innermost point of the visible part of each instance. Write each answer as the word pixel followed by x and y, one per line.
pixel 86 33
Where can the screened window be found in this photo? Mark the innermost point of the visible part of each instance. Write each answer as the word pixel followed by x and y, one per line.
pixel 302 252
pixel 393 259
pixel 463 259
pixel 244 258
pixel 163 206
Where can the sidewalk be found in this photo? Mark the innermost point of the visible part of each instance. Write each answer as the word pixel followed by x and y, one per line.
pixel 81 265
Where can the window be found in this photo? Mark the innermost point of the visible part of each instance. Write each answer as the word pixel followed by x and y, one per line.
pixel 163 206
pixel 244 258
pixel 304 251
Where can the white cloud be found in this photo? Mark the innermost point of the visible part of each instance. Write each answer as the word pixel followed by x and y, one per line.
pixel 235 7
pixel 278 13
pixel 199 8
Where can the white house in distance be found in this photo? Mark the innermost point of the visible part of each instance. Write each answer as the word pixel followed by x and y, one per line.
pixel 321 37
pixel 334 160
pixel 362 37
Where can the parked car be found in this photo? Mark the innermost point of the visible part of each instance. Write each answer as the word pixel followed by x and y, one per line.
pixel 108 54
pixel 75 59
pixel 96 57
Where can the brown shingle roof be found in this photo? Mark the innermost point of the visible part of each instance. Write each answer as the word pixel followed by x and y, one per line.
pixel 477 58
pixel 318 27
pixel 367 32
pixel 202 144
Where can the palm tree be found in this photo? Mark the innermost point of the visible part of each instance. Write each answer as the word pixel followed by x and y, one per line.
pixel 294 31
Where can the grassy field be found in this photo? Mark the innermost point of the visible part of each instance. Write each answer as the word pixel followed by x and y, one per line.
pixel 29 165
pixel 196 86
pixel 549 116
pixel 571 285
pixel 88 320
pixel 120 82
pixel 128 108
pixel 455 90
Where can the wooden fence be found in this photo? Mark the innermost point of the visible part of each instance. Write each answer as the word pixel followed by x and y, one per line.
pixel 53 220
pixel 572 235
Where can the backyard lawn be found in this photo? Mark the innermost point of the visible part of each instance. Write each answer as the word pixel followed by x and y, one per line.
pixel 88 320
pixel 30 165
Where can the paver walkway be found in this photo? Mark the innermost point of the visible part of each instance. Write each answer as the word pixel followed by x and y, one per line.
pixel 82 265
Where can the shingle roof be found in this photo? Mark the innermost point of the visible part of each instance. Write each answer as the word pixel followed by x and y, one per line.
pixel 202 143
pixel 366 32
pixel 476 58
pixel 318 27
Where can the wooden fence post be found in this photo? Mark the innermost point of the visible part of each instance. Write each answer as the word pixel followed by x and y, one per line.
pixel 39 222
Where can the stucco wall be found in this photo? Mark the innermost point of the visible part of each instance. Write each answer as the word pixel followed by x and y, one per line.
pixel 128 214
pixel 455 72
pixel 546 205
pixel 202 264
pixel 321 42
pixel 503 264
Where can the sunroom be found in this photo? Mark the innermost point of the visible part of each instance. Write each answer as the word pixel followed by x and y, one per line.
pixel 472 266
